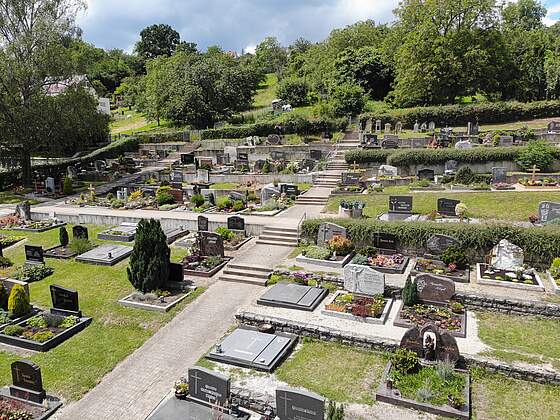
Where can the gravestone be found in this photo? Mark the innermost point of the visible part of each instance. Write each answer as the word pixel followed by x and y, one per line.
pixel 122 194
pixel 278 155
pixel 416 128
pixel 505 141
pixel 209 196
pixel 398 127
pixel 315 154
pixel 290 190
pixel 327 231
pixel 100 165
pixel 499 175
pixel 259 164
pixel 27 381
pixel 177 194
pixel 222 159
pixel 50 185
pixel 231 152
pixel 203 175
pixel 186 135
pixel 293 404
pixel 378 126
pixel 177 176
pixel 236 223
pixel 423 127
pixel 363 280
pixel 34 254
pixel 237 196
pixel 463 144
pixel 387 170
pixel 548 211
pixel 432 126
pixel 385 241
pixel 446 348
pixel 389 144
pixel 428 174
pixel 202 224
pixel 243 157
pixel 211 244
pixel 432 289
pixel 72 171
pixel 208 386
pixel 274 139
pixel 387 127
pixel 351 178
pixel 371 139
pixel 268 191
pixel 451 167
pixel 507 256
pixel 446 206
pixel 80 232
pixel 23 210
pixel 438 243
pixel 554 127
pixel 65 300
pixel 307 164
pixel 400 204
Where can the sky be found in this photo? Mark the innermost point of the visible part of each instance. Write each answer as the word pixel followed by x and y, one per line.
pixel 235 25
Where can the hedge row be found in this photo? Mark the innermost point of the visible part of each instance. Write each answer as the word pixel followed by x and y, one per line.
pixel 403 158
pixel 457 115
pixel 146 138
pixel 540 245
pixel 292 126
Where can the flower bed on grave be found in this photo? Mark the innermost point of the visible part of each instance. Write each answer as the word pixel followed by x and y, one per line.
pixel 203 266
pixel 425 185
pixel 232 240
pixel 523 278
pixel 372 310
pixel 118 234
pixel 337 254
pixel 450 318
pixel 439 268
pixel 303 278
pixel 502 186
pixel 21 409
pixel 9 240
pixel 386 263
pixel 16 312
pixel 15 223
pixel 538 183
pixel 158 301
pixel 271 207
pixel 226 205
pixel 348 190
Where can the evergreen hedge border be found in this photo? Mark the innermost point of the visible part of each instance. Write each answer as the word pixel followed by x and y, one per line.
pixel 457 115
pixel 541 245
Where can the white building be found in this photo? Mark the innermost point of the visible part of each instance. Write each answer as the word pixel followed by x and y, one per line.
pixel 56 88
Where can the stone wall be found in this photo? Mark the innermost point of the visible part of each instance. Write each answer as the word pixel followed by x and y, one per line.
pixel 261 179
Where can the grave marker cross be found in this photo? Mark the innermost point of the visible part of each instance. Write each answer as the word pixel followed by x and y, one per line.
pixel 285 399
pixel 534 170
pixel 196 378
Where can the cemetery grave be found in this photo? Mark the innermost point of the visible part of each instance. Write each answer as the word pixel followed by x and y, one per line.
pixel 444 257
pixel 107 254
pixel 174 234
pixel 351 183
pixel 79 244
pixel 548 212
pixel 351 209
pixel 422 375
pixel 499 180
pixel 400 208
pixel 428 299
pixel 18 291
pixel 9 240
pixel 333 248
pixel 274 199
pixel 31 225
pixel 48 329
pixel 382 255
pixel 253 349
pixel 125 232
pixel 507 269
pixel 293 296
pixel 207 257
pixel 26 397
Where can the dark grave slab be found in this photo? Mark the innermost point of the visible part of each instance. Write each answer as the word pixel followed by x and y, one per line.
pixel 548 211
pixel 428 174
pixel 202 224
pixel 237 196
pixel 59 252
pixel 236 223
pixel 176 409
pixel 27 381
pixel 385 241
pixel 34 254
pixel 177 194
pixel 209 387
pixel 389 144
pixel 446 206
pixel 445 344
pixel 499 175
pixel 274 139
pixel 65 301
pixel 434 289
pixel 400 204
pixel 438 243
pixel 107 254
pixel 329 230
pixel 315 154
pixel 290 190
pixel 172 234
pixel 211 244
pixel 80 232
pixel 351 178
pixel 293 296
pixel 252 349
pixel 295 404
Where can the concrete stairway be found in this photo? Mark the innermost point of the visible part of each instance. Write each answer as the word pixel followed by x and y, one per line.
pixel 281 236
pixel 244 273
pixel 325 180
pixel 310 200
pixel 337 165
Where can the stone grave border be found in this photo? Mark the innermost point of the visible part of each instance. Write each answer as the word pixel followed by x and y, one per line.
pixel 239 245
pixel 509 284
pixel 44 229
pixel 272 213
pixel 105 236
pixel 368 320
pixel 457 279
pixel 155 308
pixel 389 396
pixel 71 254
pixel 325 263
pixel 405 323
pixel 53 403
pixel 211 273
pixel 280 304
pixel 555 287
pixel 398 269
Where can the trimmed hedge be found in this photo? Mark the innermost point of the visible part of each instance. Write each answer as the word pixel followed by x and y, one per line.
pixel 456 115
pixel 146 138
pixel 541 245
pixel 408 157
pixel 293 126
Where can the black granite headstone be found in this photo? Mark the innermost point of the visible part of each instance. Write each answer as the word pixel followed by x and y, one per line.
pixel 236 223
pixel 351 178
pixel 499 175
pixel 400 204
pixel 244 157
pixel 277 155
pixel 446 206
pixel 438 243
pixel 294 404
pixel 428 174
pixel 65 300
pixel 202 224
pixel 385 241
pixel 34 254
pixel 289 189
pixel 390 144
pixel 315 154
pixel 211 244
pixel 80 232
pixel 211 387
pixel 27 381
pixel 187 158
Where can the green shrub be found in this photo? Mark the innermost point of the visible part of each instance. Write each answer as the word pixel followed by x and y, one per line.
pixel 404 361
pixel 33 273
pixel 360 259
pixel 5 262
pixel 3 297
pixel 224 203
pixel 464 176
pixel 42 336
pixel 537 153
pixel 410 292
pixel 238 205
pixel 14 330
pixel 225 233
pixel 197 200
pixel 555 268
pixel 69 322
pixel 293 91
pixel 316 252
pixel 67 187
pixel 63 236
pixel 5 317
pixel 163 196
pixel 117 204
pixel 149 261
pixel 37 322
pixel 18 302
pixel 81 245
pixel 335 412
pixel 455 255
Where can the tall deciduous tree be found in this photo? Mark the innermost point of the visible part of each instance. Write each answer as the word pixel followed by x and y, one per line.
pixel 271 56
pixel 157 40
pixel 34 35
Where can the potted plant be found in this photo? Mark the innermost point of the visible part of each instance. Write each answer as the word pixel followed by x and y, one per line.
pixel 181 389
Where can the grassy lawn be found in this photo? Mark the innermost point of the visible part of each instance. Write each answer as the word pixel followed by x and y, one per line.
pixel 225 186
pixel 520 338
pixel 9 197
pixel 77 365
pixel 266 92
pixel 352 374
pixel 511 206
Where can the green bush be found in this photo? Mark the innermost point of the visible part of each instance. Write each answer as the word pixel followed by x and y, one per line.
pixel 63 236
pixel 537 153
pixel 42 336
pixel 5 262
pixel 464 176
pixel 13 330
pixel 149 261
pixel 69 322
pixel 347 99
pixel 409 292
pixel 81 245
pixel 33 273
pixel 459 115
pixel 225 233
pixel 67 187
pixel 404 361
pixel 360 259
pixel 555 268
pixel 117 204
pixel 197 200
pixel 238 205
pixel 18 302
pixel 455 255
pixel 293 91
pixel 3 297
pixel 316 252
pixel 224 203
pixel 335 412
pixel 163 196
pixel 37 322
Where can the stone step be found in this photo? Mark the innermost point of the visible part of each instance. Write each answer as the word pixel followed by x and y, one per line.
pixel 276 243
pixel 244 279
pixel 249 267
pixel 245 273
pixel 272 238
pixel 289 235
pixel 280 228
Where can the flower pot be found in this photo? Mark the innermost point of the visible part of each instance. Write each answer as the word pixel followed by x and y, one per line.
pixel 357 213
pixel 180 395
pixel 344 213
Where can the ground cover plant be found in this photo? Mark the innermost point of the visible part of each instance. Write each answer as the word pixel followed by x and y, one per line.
pixel 115 332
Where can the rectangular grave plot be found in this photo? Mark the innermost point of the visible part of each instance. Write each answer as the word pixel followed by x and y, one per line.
pixel 252 349
pixel 176 409
pixel 459 276
pixel 60 252
pixel 349 316
pixel 536 282
pixel 338 263
pixel 211 273
pixel 172 234
pixel 39 412
pixel 106 254
pixel 39 230
pixel 170 302
pixel 389 396
pixel 293 296
pixel 118 234
pixel 402 322
pixel 395 269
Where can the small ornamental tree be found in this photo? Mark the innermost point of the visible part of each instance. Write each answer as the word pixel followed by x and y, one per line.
pixel 67 187
pixel 409 292
pixel 3 297
pixel 149 261
pixel 18 302
pixel 63 236
pixel 335 412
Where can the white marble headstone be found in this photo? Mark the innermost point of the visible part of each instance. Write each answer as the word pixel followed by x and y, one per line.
pixel 363 280
pixel 508 256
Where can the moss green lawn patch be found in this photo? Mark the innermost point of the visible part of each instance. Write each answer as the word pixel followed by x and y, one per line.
pixel 8 197
pixel 266 92
pixel 77 365
pixel 338 372
pixel 428 378
pixel 225 186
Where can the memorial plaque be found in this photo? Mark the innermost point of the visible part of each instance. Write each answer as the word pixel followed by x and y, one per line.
pixel 499 175
pixel 64 299
pixel 446 206
pixel 329 230
pixel 387 170
pixel 203 175
pixel 351 178
pixel 400 204
pixel 80 232
pixel 290 190
pixel 277 155
pixel 23 210
pixel 244 157
pixel 385 241
pixel 363 280
pixel 432 289
pixel 274 139
pixel 211 244
pixel 315 154
pixel 548 211
pixel 268 191
pixel 236 223
pixel 437 243
pixel 237 196
pixel 293 404
pixel 202 224
pixel 34 254
pixel 389 143
pixel 428 174
pixel 505 141
pixel 27 381
pixel 208 386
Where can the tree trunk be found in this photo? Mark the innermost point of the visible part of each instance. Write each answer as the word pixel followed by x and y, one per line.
pixel 26 170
